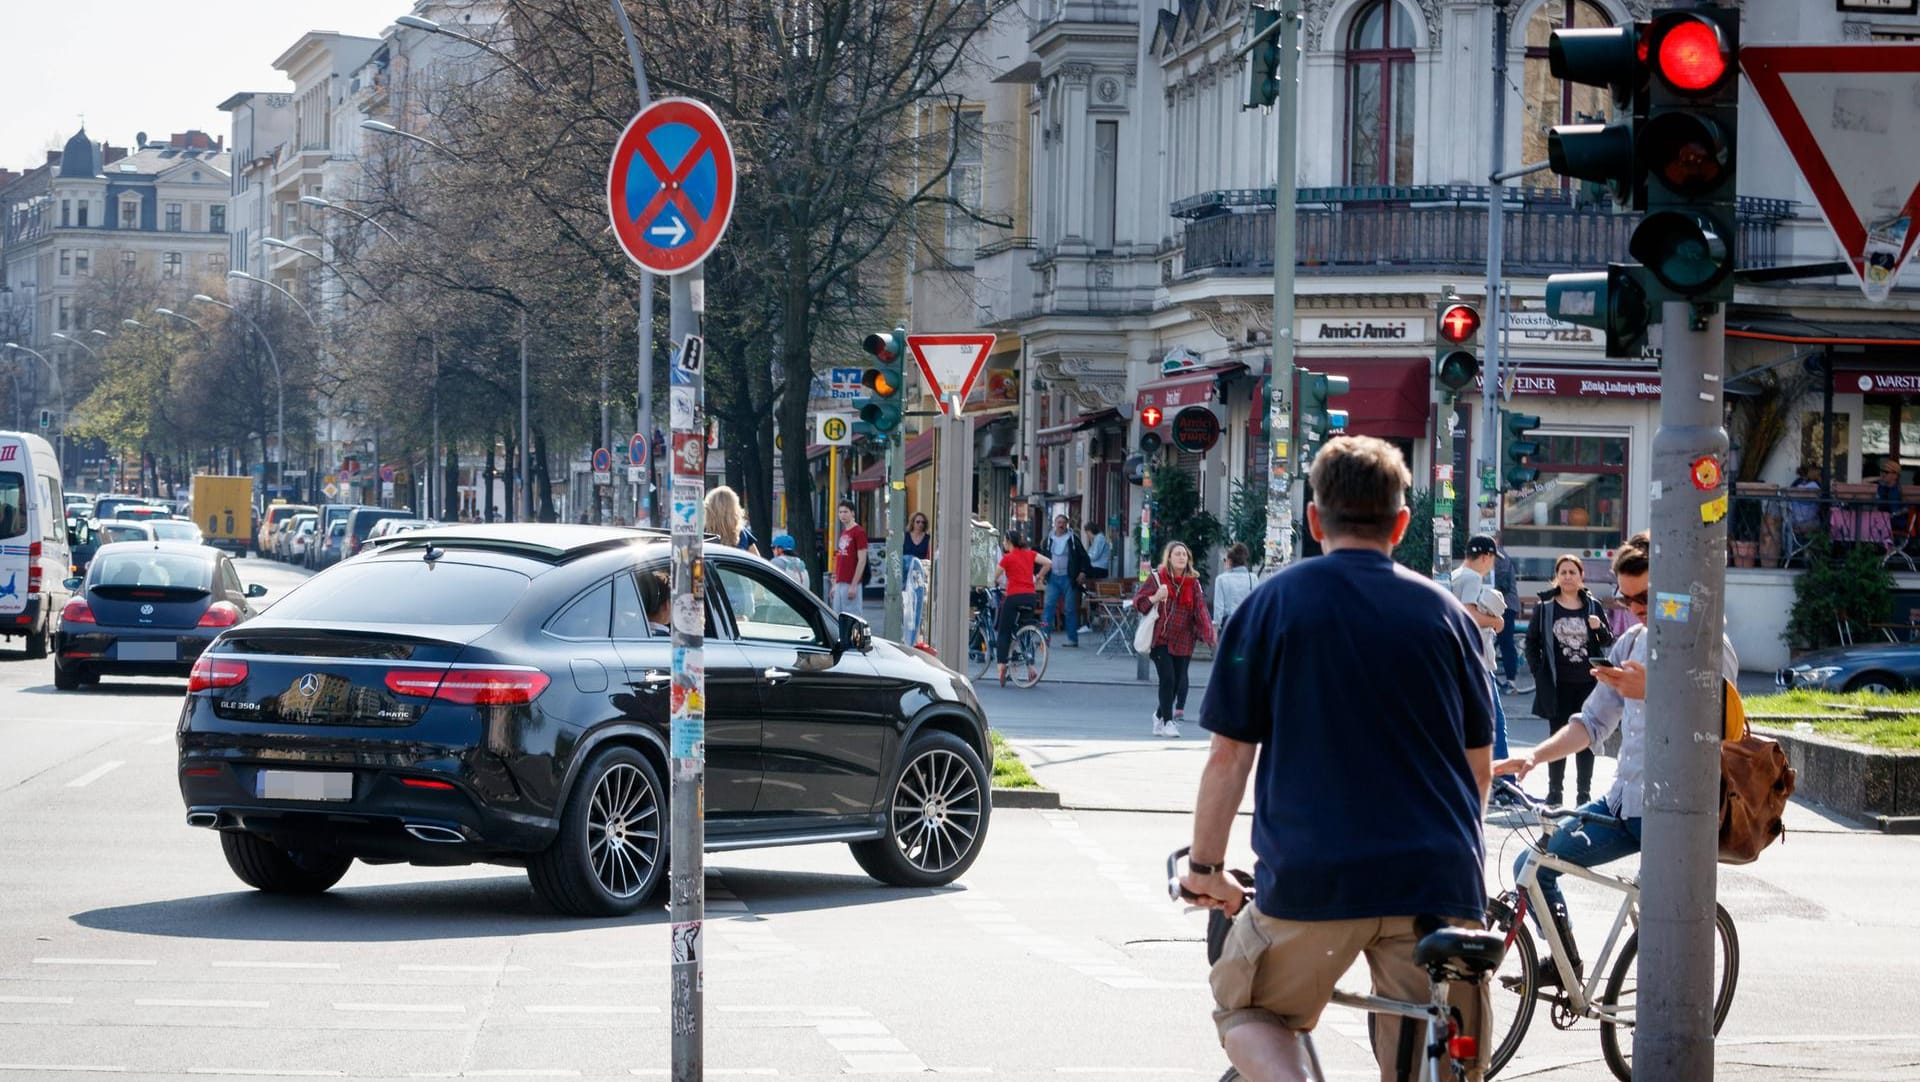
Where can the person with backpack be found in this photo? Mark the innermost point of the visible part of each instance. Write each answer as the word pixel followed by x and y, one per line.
pixel 1231 586
pixel 1171 597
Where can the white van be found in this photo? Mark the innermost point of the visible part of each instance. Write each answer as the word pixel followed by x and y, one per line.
pixel 34 556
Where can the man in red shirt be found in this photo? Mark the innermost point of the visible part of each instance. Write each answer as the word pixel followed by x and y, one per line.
pixel 849 563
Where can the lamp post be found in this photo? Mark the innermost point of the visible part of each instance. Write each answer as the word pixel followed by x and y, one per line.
pixel 381 127
pixel 72 341
pixel 276 242
pixel 189 320
pixel 415 22
pixel 327 204
pixel 279 384
pixel 60 394
pixel 243 276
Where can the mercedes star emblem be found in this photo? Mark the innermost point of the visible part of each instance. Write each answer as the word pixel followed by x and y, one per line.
pixel 310 685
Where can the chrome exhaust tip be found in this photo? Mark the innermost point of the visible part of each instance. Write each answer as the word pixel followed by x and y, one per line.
pixel 427 832
pixel 203 819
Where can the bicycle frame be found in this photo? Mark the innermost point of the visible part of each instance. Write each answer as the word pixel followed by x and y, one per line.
pixel 1580 996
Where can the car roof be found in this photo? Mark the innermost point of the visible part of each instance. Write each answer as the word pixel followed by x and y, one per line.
pixel 187 548
pixel 549 542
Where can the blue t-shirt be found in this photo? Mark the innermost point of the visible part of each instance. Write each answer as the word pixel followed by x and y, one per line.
pixel 1362 683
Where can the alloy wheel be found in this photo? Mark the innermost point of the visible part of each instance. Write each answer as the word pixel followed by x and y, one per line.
pixel 623 830
pixel 936 811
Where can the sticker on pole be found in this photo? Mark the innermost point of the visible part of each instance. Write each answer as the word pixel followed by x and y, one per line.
pixel 670 185
pixel 1847 114
pixel 950 362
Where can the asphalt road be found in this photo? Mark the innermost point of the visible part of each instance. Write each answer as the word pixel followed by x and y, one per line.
pixel 128 948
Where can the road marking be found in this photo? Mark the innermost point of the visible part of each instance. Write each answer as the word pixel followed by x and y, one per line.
pixel 276 965
pixel 502 1072
pixel 44 1001
pixel 79 1067
pixel 266 1072
pixel 164 738
pixel 463 969
pixel 404 1008
pixel 1125 1070
pixel 95 774
pixel 885 1064
pixel 234 1004
pixel 588 1008
pixel 96 961
pixel 867 1044
pixel 757 1072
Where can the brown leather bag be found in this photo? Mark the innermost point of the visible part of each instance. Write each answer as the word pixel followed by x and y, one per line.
pixel 1755 782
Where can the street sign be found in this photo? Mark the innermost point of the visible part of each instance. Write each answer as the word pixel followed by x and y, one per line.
pixel 332 490
pixel 636 474
pixel 637 450
pixel 602 465
pixel 833 429
pixel 670 185
pixel 950 362
pixel 1846 113
pixel 1196 430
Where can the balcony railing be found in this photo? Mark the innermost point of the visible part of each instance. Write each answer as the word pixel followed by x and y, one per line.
pixel 1441 228
pixel 1050 12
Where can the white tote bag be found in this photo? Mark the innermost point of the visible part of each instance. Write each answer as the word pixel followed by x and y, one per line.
pixel 1143 635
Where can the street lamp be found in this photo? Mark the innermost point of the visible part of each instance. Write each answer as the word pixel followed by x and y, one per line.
pixel 415 22
pixel 60 393
pixel 72 341
pixel 276 242
pixel 327 204
pixel 383 128
pixel 189 320
pixel 279 384
pixel 243 276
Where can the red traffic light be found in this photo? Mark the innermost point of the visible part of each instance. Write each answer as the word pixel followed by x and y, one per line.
pixel 1150 416
pixel 881 346
pixel 1692 56
pixel 1459 322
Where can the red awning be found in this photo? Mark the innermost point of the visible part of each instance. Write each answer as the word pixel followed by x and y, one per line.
pixel 919 454
pixel 1191 388
pixel 1386 396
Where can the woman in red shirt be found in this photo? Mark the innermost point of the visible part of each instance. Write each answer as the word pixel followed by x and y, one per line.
pixel 1175 589
pixel 1020 566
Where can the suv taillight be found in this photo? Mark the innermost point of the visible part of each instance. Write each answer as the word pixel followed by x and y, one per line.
pixel 33 568
pixel 77 612
pixel 213 672
pixel 220 614
pixel 471 687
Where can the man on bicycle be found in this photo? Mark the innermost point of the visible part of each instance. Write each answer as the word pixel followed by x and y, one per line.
pixel 1355 688
pixel 1618 702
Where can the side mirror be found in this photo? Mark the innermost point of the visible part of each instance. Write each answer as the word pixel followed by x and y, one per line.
pixel 72 584
pixel 256 590
pixel 855 634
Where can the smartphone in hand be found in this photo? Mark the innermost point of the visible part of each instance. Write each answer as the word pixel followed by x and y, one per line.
pixel 1601 663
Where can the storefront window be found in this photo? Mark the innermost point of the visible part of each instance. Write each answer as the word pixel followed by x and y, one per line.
pixel 1578 503
pixel 1890 426
pixel 1812 443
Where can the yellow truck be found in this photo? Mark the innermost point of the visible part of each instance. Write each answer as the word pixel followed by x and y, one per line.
pixel 223 509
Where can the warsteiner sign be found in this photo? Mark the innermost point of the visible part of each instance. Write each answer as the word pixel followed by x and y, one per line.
pixel 1196 429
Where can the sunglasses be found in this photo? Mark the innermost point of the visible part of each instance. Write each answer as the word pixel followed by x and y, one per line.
pixel 1630 599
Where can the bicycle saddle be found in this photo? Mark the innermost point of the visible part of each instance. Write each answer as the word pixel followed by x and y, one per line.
pixel 1475 952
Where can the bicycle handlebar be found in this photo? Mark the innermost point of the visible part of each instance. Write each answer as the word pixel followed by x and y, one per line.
pixel 1552 811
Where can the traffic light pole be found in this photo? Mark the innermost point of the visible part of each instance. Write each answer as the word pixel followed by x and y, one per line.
pixel 1443 401
pixel 1285 494
pixel 1673 1037
pixel 1487 483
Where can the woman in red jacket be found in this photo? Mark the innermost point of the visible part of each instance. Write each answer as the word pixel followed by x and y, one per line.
pixel 1174 590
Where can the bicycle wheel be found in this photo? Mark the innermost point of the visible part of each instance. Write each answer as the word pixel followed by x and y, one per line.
pixel 1623 984
pixel 1028 661
pixel 979 650
pixel 1514 989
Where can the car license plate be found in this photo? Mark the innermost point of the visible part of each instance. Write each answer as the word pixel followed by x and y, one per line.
pixel 304 785
pixel 149 651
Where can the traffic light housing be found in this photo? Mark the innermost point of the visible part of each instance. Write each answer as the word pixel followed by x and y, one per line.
pixel 46 418
pixel 1263 60
pixel 1150 439
pixel 885 381
pixel 1605 153
pixel 1518 448
pixel 1456 338
pixel 1318 422
pixel 1613 300
pixel 1687 147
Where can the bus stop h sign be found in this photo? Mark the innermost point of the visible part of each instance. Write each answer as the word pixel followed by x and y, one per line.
pixel 670 185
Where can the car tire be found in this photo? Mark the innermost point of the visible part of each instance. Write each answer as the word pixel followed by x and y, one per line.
pixel 610 856
pixel 937 810
pixel 37 643
pixel 1883 683
pixel 265 866
pixel 64 678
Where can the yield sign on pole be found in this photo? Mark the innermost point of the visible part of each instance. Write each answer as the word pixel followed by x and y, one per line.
pixel 950 362
pixel 670 185
pixel 1848 114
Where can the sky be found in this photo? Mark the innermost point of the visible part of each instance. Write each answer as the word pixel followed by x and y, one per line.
pixel 158 66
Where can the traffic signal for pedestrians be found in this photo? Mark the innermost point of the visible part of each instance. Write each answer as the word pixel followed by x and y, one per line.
pixel 1518 448
pixel 1612 300
pixel 1609 57
pixel 1687 147
pixel 885 381
pixel 1263 60
pixel 1456 337
pixel 46 418
pixel 1318 422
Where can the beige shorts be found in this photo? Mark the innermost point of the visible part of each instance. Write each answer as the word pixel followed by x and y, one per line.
pixel 1284 971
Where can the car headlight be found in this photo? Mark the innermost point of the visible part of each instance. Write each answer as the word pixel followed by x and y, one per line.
pixel 1816 677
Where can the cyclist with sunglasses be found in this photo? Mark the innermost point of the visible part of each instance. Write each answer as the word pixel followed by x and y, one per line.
pixel 1618 702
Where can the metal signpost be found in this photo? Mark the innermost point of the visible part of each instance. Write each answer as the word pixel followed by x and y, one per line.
pixel 670 191
pixel 950 363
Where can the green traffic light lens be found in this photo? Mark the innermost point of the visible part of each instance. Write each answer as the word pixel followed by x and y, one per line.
pixel 1686 252
pixel 1457 370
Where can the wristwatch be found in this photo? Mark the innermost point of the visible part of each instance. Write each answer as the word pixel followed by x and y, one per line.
pixel 1198 868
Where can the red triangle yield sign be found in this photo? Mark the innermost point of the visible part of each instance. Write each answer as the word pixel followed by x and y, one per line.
pixel 1848 114
pixel 950 363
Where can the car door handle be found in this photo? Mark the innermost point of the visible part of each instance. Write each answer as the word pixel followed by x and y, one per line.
pixel 654 680
pixel 777 676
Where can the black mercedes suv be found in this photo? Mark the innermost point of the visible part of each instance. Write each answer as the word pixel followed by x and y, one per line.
pixel 497 694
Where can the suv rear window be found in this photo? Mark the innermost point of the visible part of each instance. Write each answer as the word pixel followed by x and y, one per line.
pixel 407 591
pixel 13 505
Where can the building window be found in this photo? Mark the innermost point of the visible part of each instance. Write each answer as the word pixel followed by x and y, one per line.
pixel 964 188
pixel 1547 100
pixel 83 263
pixel 1813 443
pixel 1380 96
pixel 1106 182
pixel 217 218
pixel 173 217
pixel 217 263
pixel 130 214
pixel 128 263
pixel 85 206
pixel 66 263
pixel 66 212
pixel 1579 499
pixel 170 265
pixel 64 310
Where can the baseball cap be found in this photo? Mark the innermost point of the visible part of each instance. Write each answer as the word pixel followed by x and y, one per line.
pixel 783 541
pixel 1481 545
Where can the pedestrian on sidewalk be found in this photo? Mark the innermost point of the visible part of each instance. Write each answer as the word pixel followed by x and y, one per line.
pixel 1067 558
pixel 849 563
pixel 1471 584
pixel 1507 582
pixel 1019 567
pixel 1099 561
pixel 1173 590
pixel 1231 586
pixel 785 560
pixel 1569 629
pixel 727 521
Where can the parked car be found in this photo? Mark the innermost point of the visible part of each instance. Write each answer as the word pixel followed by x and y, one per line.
pixel 301 537
pixel 1880 666
pixel 146 608
pixel 283 536
pixel 387 527
pixel 176 529
pixel 326 552
pixel 360 524
pixel 496 694
pixel 270 521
